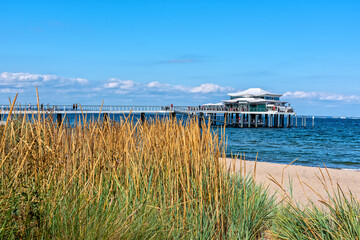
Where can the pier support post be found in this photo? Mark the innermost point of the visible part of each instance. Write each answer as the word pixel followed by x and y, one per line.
pixel 266 119
pixel 288 121
pixel 59 118
pixel 142 117
pixel 249 120
pixel 283 120
pixel 295 121
pixel 237 118
pixel 242 120
pixel 225 119
pixel 256 120
pixel 201 117
pixel 313 121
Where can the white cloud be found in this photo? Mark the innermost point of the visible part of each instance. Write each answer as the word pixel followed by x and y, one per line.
pixel 10 90
pixel 19 80
pixel 61 89
pixel 209 88
pixel 322 96
pixel 203 88
pixel 157 84
pixel 120 86
pixel 165 87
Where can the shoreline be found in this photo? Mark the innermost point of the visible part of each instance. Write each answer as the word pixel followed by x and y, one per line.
pixel 302 184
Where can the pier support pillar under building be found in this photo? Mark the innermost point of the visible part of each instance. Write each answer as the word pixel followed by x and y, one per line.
pixel 266 119
pixel 256 120
pixel 237 118
pixel 242 120
pixel 249 120
pixel 279 120
pixel 295 121
pixel 288 122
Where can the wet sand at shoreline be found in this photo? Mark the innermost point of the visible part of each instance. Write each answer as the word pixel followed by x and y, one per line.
pixel 306 182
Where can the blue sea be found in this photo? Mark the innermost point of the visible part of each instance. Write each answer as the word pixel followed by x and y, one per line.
pixel 333 142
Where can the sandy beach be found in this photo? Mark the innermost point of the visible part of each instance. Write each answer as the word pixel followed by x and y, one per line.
pixel 300 182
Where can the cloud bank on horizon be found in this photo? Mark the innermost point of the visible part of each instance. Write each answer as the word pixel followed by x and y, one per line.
pixel 322 96
pixel 112 88
pixel 115 88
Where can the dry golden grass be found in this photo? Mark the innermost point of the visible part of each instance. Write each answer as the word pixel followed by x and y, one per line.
pixel 127 179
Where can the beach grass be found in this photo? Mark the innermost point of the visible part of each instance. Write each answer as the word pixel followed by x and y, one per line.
pixel 160 179
pixel 335 216
pixel 157 179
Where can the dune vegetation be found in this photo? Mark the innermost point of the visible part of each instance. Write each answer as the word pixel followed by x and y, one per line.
pixel 157 179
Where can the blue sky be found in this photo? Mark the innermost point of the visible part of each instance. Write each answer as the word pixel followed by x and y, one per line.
pixel 182 52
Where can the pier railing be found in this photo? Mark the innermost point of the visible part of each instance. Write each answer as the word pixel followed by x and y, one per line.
pixel 138 109
pixel 227 109
pixel 86 108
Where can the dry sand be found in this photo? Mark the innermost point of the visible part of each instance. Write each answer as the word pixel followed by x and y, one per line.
pixel 307 182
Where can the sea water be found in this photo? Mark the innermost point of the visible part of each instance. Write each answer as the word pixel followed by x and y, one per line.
pixel 333 142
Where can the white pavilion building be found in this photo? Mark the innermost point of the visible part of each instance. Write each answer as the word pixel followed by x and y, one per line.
pixel 257 100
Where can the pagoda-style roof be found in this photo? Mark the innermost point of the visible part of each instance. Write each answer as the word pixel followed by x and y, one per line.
pixel 254 92
pixel 251 100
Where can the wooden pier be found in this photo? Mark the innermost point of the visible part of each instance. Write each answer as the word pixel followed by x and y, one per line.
pixel 216 116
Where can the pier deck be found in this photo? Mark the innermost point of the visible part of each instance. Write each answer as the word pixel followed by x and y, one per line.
pixel 229 117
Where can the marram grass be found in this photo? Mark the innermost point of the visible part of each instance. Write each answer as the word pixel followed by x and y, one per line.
pixel 123 180
pixel 154 180
pixel 338 217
